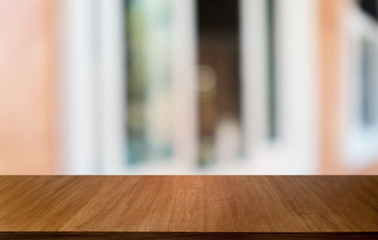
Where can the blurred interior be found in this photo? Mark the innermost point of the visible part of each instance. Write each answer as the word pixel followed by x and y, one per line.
pixel 189 87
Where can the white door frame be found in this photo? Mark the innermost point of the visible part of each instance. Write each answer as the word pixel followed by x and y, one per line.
pixel 296 149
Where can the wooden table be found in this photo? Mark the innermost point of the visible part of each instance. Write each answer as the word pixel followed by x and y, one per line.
pixel 189 207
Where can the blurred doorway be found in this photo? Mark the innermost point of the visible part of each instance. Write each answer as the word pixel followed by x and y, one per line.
pixel 219 119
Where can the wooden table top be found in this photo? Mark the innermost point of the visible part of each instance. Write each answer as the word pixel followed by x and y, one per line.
pixel 184 207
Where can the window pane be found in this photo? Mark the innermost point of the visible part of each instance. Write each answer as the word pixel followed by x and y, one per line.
pixel 148 29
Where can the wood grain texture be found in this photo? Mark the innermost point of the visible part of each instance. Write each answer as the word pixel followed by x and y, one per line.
pixel 189 207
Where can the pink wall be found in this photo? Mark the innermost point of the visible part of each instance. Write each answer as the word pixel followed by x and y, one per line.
pixel 331 29
pixel 26 87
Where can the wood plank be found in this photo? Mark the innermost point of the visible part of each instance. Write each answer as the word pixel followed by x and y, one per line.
pixel 189 236
pixel 189 207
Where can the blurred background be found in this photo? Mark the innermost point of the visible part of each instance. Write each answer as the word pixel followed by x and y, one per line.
pixel 189 87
